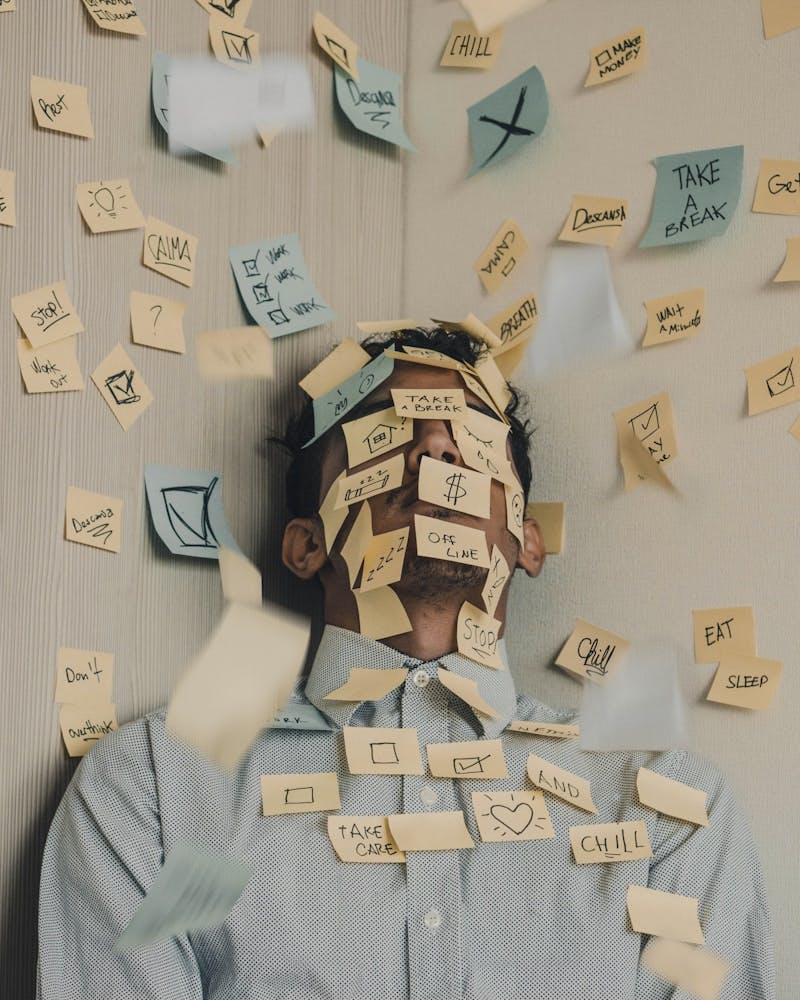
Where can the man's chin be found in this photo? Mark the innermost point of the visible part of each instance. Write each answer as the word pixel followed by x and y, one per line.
pixel 438 579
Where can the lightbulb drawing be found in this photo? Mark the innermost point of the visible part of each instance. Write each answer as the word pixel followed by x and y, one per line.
pixel 107 201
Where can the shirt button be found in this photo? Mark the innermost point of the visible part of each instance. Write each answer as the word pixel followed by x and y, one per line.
pixel 432 919
pixel 429 795
pixel 421 679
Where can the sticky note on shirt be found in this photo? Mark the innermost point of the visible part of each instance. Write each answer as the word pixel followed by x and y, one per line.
pixel 467 690
pixel 593 219
pixel 364 684
pixel 468 48
pixel 745 681
pixel 122 387
pixel 93 519
pixel 373 101
pixel 557 730
pixel 381 613
pixel 774 382
pixel 454 487
pixel 435 831
pixel 84 676
pixel 371 436
pixel 8 204
pixel 664 914
pixel 596 843
pixel 243 352
pixel 284 794
pixel 52 368
pixel 233 45
pixel 338 45
pixel 427 404
pixel 62 107
pixel 169 251
pixel 46 314
pixel 157 322
pixel 383 559
pixel 496 580
pixel 109 206
pixel 498 262
pixel 506 120
pixel 673 317
pixel 649 422
pixel 550 516
pixel 115 15
pixel 380 750
pixel 671 797
pixel 621 56
pixel 592 652
pixel 437 539
pixel 83 724
pixel 363 839
pixel 478 634
pixel 378 478
pixel 695 970
pixel 723 630
pixel 344 361
pixel 478 759
pixel 505 817
pixel 778 188
pixel 567 786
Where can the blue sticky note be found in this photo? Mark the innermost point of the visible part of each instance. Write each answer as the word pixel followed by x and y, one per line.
pixel 507 119
pixel 330 408
pixel 186 510
pixel 160 93
pixel 299 715
pixel 272 277
pixel 372 102
pixel 696 195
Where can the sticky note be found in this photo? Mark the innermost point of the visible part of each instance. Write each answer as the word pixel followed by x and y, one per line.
pixel 93 519
pixel 8 204
pixel 193 891
pixel 244 352
pixel 671 797
pixel 773 383
pixel 62 107
pixel 381 613
pixel 225 697
pixel 478 634
pixel 109 206
pixel 344 360
pixel 594 219
pixel 381 750
pixel 778 188
pixel 477 452
pixel 512 816
pixel 299 793
pixel 82 725
pixel 297 715
pixel 7 5
pixel 472 326
pixel 233 45
pixel 383 559
pixel 556 730
pixel 454 487
pixel 515 511
pixel 696 195
pixel 334 405
pixel 592 652
pixel 507 119
pixel 488 431
pixel 650 422
pixel 467 690
pixel 358 538
pixel 695 970
pixel 493 379
pixel 157 322
pixel 664 914
pixel 371 436
pixel 84 676
pixel 339 46
pixel 52 368
pixel 515 324
pixel 121 385
pixel 386 325
pixel 596 843
pixel 333 517
pixel 496 580
pixel 386 474
pixel 477 388
pixel 480 759
pixel 673 317
pixel 373 101
pixel 364 839
pixel 115 15
pixel 567 786
pixel 487 14
pixel 550 517
pixel 794 430
pixel 241 580
pixel 46 314
pixel 498 262
pixel 364 684
pixel 234 11
pixel 429 404
pixel 435 831
pixel 723 630
pixel 187 511
pixel 779 16
pixel 468 48
pixel 745 681
pixel 266 135
pixel 169 251
pixel 437 539
pixel 618 57
pixel 790 269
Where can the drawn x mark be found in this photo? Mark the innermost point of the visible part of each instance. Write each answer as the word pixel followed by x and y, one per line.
pixel 511 128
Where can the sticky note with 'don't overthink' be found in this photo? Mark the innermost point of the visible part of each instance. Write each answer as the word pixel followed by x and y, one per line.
pixel 83 676
pixel 82 725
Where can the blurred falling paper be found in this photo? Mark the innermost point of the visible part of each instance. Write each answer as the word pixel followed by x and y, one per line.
pixel 641 708
pixel 241 580
pixel 193 891
pixel 580 317
pixel 236 684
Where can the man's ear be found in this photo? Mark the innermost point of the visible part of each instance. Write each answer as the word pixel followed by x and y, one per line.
pixel 531 554
pixel 304 551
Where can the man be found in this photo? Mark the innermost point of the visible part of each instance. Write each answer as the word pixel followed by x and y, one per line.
pixel 516 918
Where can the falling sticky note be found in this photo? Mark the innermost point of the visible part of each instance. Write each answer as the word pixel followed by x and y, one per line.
pixel 371 436
pixel 671 797
pixel 592 652
pixel 515 324
pixel 723 630
pixel 378 478
pixel 364 839
pixel 790 269
pixel 186 510
pixel 193 891
pixel 381 614
pixel 157 322
pixel 498 262
pixel 336 404
pixel 109 206
pixel 381 750
pixel 82 725
pixel 487 14
pixel 478 635
pixel 555 730
pixel 550 518
pixel 599 843
pixel 778 188
pixel 241 353
pixel 234 11
pixel 169 251
pixel 286 794
pixel 594 219
pixel 467 690
pixel 618 57
pixel 673 317
pixel 695 970
pixel 339 46
pixel 273 280
pixel 62 107
pixel 383 559
pixel 479 759
pixel 505 817
pixel 566 785
pixel 83 676
pixel 364 684
pixel 233 45
pixel 115 15
pixel 779 16
pixel 8 205
pixel 427 404
pixel 453 487
pixel 358 538
pixel 437 539
pixel 52 368
pixel 696 195
pixel 93 519
pixel 344 360
pixel 468 48
pixel 646 427
pixel 664 914
pixel 773 383
pixel 373 101
pixel 507 119
pixel 435 831
pixel 241 580
pixel 745 681
pixel 122 387
pixel 496 580
pixel 46 314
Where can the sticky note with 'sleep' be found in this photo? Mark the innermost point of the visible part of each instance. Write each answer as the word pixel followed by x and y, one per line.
pixel 745 681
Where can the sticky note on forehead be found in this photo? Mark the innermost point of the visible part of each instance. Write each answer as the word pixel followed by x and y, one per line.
pixel 371 436
pixel 344 361
pixel 330 408
pixel 430 404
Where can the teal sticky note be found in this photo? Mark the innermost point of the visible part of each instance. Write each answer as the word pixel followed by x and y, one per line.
pixel 273 281
pixel 696 195
pixel 508 119
pixel 372 102
pixel 336 404
pixel 298 715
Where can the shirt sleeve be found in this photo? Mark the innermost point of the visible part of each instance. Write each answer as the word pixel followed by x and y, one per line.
pixel 719 865
pixel 103 851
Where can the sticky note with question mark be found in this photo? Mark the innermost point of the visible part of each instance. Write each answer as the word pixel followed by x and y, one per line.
pixel 157 322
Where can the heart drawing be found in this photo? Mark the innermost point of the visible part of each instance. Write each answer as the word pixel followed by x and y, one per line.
pixel 517 820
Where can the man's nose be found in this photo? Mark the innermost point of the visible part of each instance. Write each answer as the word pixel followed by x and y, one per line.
pixel 434 439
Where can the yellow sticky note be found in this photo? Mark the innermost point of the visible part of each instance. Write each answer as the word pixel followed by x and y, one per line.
pixel 566 785
pixel 454 487
pixel 505 817
pixel 488 372
pixel 467 690
pixel 381 613
pixel 664 914
pixel 794 430
pixel 496 579
pixel 343 361
pixel 122 387
pixel 723 630
pixel 235 11
pixel 241 580
pixel 333 517
pixel 694 970
pixel 371 436
pixel 169 251
pixel 115 15
pixel 498 262
pixel 673 317
pixel 339 46
pixel 778 188
pixel 244 352
pixel 515 511
pixel 266 135
pixel 365 839
pixel 62 107
pixel 8 204
pixel 378 478
pixel 515 324
pixel 83 725
pixel 592 652
pixel 383 559
pixel 596 843
pixel 593 219
pixel 380 750
pixel 790 269
pixel 438 539
pixel 478 389
pixel 429 404
pixel 651 423
pixel 426 356
pixel 370 326
pixel 83 676
pixel 364 684
pixel 745 681
pixel 477 453
pixel 478 635
pixel 7 5
pixel 773 383
pixel 556 730
pixel 618 57
pixel 435 831
pixel 46 314
pixel 53 368
pixel 283 794
pixel 779 16
pixel 550 518
pixel 93 519
pixel 671 797
pixel 487 14
pixel 109 206
pixel 488 431
pixel 233 44
pixel 358 538
pixel 479 759
pixel 157 322
pixel 471 49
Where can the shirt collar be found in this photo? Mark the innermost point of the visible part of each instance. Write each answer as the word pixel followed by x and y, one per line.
pixel 340 649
